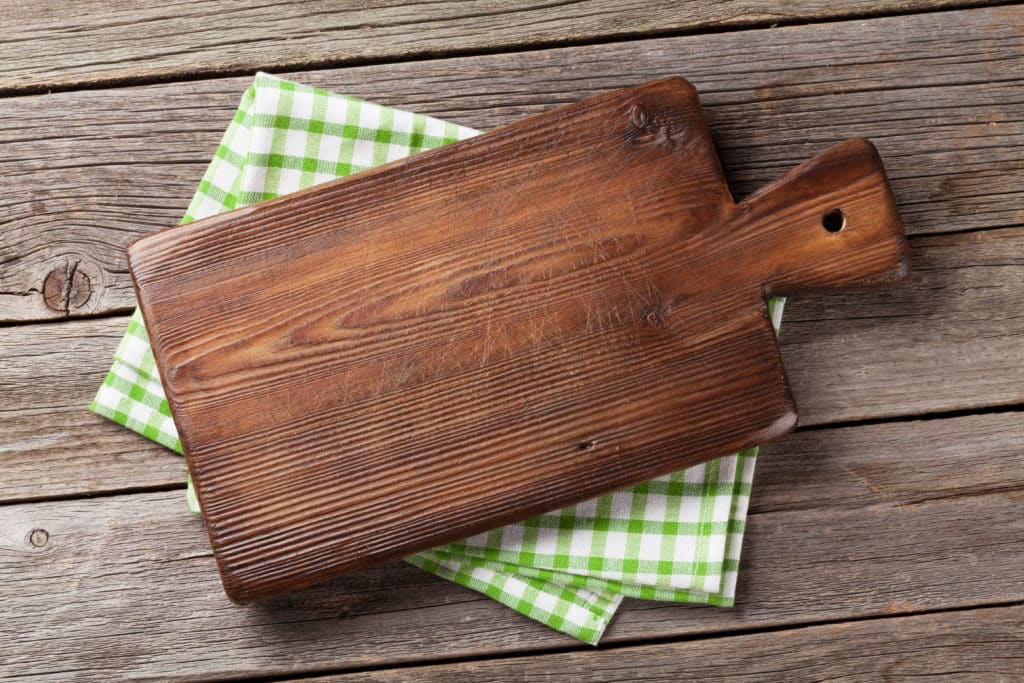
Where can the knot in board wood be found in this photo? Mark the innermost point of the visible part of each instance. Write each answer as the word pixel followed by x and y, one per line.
pixel 66 287
pixel 38 538
pixel 664 129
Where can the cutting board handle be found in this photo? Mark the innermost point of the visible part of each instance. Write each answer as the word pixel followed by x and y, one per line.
pixel 829 223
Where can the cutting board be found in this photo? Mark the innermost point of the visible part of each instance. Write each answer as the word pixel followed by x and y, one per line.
pixel 561 307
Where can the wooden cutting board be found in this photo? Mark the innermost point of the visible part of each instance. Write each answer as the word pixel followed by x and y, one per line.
pixel 480 333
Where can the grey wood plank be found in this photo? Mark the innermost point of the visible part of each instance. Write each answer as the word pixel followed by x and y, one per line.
pixel 45 46
pixel 87 172
pixel 951 338
pixel 124 586
pixel 954 329
pixel 50 445
pixel 896 463
pixel 981 644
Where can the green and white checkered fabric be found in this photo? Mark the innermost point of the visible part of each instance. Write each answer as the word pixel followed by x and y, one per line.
pixel 674 538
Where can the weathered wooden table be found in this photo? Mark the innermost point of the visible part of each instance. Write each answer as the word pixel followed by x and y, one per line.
pixel 885 536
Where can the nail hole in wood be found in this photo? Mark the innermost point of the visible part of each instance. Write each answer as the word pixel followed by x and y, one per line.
pixel 834 220
pixel 585 446
pixel 39 537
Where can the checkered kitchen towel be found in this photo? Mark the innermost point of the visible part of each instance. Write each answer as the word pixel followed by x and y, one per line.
pixel 674 538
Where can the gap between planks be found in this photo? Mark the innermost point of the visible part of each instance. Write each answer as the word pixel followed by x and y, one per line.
pixel 936 636
pixel 123 561
pixel 42 56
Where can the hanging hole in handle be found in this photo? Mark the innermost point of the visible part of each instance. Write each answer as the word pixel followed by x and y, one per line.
pixel 833 221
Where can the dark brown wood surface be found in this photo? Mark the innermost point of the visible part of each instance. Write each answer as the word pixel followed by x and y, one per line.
pixel 888 524
pixel 565 306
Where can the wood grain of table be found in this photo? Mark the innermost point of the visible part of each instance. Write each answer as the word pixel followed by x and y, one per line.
pixel 885 537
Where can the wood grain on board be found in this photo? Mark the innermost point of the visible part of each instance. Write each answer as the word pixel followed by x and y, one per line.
pixel 106 42
pixel 957 318
pixel 559 308
pixel 87 172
